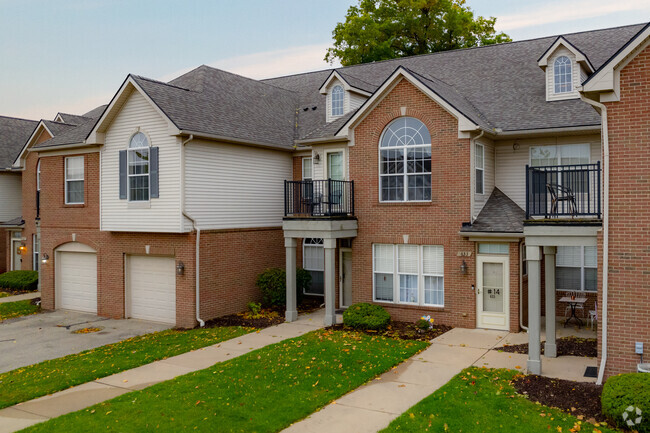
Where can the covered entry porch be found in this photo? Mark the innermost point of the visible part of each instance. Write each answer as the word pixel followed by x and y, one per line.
pixel 542 243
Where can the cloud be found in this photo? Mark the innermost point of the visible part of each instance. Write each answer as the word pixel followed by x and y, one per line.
pixel 563 11
pixel 270 64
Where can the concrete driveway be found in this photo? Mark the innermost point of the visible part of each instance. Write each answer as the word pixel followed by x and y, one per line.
pixel 31 339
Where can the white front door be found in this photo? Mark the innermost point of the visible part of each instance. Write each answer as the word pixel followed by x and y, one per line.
pixel 492 292
pixel 345 263
pixel 15 254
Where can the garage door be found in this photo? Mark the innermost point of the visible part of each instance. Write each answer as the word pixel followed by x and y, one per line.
pixel 151 289
pixel 77 281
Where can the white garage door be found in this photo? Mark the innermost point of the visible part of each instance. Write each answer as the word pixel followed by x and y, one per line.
pixel 77 281
pixel 151 289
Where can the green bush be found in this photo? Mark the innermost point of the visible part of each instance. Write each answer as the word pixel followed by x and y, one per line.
pixel 366 316
pixel 24 281
pixel 624 391
pixel 255 308
pixel 423 324
pixel 273 284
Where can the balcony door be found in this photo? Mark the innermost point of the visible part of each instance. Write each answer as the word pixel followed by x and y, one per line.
pixel 492 292
pixel 335 171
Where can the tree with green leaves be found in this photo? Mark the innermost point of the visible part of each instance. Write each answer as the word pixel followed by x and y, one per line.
pixel 386 29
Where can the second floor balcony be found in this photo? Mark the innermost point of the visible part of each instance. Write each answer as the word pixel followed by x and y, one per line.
pixel 563 192
pixel 318 198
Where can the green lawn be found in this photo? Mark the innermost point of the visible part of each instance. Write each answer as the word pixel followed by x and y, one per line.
pixel 4 294
pixel 9 310
pixel 263 391
pixel 482 400
pixel 44 378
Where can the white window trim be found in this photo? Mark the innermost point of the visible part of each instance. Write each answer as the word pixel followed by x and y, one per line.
pixel 582 268
pixel 405 174
pixel 130 149
pixel 482 169
pixel 326 157
pixel 396 280
pixel 305 245
pixel 555 76
pixel 38 175
pixel 342 101
pixel 66 180
pixel 307 161
pixel 35 253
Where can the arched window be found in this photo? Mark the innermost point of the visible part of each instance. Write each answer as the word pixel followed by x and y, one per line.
pixel 337 101
pixel 138 167
pixel 405 161
pixel 562 74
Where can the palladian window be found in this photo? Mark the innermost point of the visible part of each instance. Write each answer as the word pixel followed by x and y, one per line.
pixel 405 161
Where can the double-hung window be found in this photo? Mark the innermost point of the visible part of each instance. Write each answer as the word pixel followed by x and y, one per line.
pixel 36 249
pixel 405 161
pixel 138 168
pixel 576 268
pixel 479 165
pixel 74 180
pixel 313 261
pixel 562 75
pixel 306 169
pixel 338 95
pixel 409 274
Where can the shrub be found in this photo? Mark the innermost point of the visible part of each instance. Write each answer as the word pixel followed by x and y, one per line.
pixel 423 324
pixel 624 394
pixel 255 308
pixel 273 284
pixel 366 316
pixel 24 281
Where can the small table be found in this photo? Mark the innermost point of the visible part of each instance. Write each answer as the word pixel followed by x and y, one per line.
pixel 572 303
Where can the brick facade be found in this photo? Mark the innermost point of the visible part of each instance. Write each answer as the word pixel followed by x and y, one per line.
pixel 629 217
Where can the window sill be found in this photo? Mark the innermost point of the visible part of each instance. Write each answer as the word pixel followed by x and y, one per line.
pixel 74 205
pixel 405 203
pixel 410 306
pixel 139 205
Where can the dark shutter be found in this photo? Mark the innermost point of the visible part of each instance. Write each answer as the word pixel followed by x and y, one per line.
pixel 123 170
pixel 153 172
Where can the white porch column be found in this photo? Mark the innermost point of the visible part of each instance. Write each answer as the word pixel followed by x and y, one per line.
pixel 292 310
pixel 329 245
pixel 550 348
pixel 533 256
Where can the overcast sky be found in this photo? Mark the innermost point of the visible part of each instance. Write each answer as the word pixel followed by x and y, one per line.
pixel 72 55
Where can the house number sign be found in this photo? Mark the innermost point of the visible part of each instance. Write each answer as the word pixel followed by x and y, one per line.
pixel 464 254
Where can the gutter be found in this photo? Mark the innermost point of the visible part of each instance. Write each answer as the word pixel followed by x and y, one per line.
pixel 197 253
pixel 521 286
pixel 605 134
pixel 322 140
pixel 233 140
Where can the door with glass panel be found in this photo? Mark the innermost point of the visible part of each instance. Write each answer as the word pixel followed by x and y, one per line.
pixel 335 189
pixel 492 292
pixel 345 264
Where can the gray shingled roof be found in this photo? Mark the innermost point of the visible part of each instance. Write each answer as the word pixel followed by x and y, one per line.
pixel 73 119
pixel 13 223
pixel 57 128
pixel 501 82
pixel 499 215
pixel 74 134
pixel 14 133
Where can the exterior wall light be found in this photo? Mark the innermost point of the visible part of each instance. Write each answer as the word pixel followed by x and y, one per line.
pixel 45 258
pixel 316 157
pixel 180 268
pixel 22 250
pixel 463 268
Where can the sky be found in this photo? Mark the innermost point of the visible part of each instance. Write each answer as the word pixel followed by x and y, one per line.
pixel 72 55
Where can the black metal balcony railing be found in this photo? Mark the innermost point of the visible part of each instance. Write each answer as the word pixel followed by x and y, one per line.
pixel 563 191
pixel 321 198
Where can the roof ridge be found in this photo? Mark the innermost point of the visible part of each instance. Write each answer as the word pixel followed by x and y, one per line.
pixel 360 79
pixel 18 118
pixel 247 78
pixel 159 82
pixel 70 114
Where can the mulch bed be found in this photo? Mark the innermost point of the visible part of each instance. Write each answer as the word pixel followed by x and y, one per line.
pixel 403 331
pixel 16 292
pixel 566 346
pixel 578 399
pixel 270 316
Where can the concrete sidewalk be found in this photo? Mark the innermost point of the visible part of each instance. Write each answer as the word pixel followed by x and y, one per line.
pixel 373 406
pixel 22 297
pixel 41 409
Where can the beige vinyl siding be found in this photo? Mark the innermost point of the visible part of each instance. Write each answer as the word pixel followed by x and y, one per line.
pixel 550 76
pixel 511 161
pixel 10 196
pixel 488 177
pixel 356 101
pixel 159 214
pixel 320 167
pixel 235 186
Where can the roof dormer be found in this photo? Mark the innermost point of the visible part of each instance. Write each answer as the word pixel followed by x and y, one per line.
pixel 566 68
pixel 342 97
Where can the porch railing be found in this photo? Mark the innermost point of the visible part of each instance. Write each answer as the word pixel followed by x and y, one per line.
pixel 563 191
pixel 318 198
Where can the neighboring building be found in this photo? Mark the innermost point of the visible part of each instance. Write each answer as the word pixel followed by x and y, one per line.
pixel 13 134
pixel 467 185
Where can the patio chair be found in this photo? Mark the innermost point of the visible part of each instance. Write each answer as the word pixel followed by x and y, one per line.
pixel 560 193
pixel 593 316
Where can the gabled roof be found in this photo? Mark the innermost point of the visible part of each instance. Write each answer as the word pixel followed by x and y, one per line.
pixel 562 42
pixel 71 119
pixel 14 133
pixel 499 215
pixel 350 83
pixel 73 134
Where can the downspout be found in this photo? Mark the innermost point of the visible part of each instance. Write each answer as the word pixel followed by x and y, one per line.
pixel 472 153
pixel 603 115
pixel 521 287
pixel 197 249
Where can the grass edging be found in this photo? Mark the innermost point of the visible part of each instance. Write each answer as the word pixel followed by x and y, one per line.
pixel 11 310
pixel 265 390
pixel 47 377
